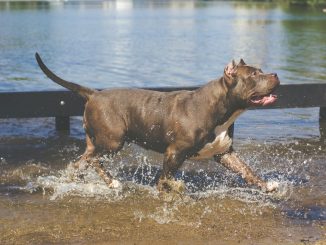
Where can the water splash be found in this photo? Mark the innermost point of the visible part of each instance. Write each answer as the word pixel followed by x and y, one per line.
pixel 165 214
pixel 68 184
pixel 85 182
pixel 208 184
pixel 247 195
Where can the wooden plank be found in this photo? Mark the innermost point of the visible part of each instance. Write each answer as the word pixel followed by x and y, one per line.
pixel 66 103
pixel 40 104
pixel 322 123
pixel 322 114
pixel 289 95
pixel 62 124
pixel 299 96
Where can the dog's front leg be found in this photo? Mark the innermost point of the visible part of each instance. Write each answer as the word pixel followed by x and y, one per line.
pixel 173 159
pixel 231 161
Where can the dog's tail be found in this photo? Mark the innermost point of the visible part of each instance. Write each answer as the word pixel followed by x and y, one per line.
pixel 83 91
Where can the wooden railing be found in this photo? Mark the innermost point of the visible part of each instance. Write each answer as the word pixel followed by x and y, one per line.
pixel 64 104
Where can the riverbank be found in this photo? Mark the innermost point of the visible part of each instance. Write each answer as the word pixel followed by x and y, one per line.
pixel 290 2
pixel 307 2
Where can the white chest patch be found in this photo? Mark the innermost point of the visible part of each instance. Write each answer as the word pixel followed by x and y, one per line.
pixel 222 141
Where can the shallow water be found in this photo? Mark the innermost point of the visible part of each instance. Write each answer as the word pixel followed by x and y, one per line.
pixel 43 201
pixel 152 43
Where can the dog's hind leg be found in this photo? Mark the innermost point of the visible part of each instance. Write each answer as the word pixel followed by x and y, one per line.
pixel 106 176
pixel 84 161
pixel 88 154
pixel 234 163
pixel 109 143
pixel 91 158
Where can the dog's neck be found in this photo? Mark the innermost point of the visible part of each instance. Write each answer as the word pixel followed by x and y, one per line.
pixel 218 102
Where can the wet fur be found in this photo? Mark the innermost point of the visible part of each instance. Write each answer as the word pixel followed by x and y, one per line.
pixel 181 124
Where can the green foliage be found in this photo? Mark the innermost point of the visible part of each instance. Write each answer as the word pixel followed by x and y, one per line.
pixel 307 2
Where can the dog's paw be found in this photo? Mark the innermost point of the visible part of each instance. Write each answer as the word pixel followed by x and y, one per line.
pixel 115 184
pixel 171 190
pixel 168 186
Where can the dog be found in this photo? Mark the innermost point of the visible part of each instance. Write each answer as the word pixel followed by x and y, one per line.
pixel 181 124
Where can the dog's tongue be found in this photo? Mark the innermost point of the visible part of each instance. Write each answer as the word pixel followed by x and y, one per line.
pixel 265 100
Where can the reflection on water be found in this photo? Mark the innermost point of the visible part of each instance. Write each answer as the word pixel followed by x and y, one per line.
pixel 156 43
pixel 160 43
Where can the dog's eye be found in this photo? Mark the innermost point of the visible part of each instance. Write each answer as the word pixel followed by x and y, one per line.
pixel 255 73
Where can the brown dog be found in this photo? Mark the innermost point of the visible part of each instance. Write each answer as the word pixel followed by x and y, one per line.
pixel 182 124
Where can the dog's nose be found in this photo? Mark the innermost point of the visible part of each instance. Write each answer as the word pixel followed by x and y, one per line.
pixel 274 74
pixel 275 79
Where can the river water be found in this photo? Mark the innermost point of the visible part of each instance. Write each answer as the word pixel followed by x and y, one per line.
pixel 161 43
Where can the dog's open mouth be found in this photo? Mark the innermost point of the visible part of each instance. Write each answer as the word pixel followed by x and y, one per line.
pixel 263 100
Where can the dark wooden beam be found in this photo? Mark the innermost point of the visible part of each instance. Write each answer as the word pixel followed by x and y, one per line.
pixel 40 104
pixel 62 124
pixel 299 96
pixel 63 104
pixel 322 123
pixel 66 103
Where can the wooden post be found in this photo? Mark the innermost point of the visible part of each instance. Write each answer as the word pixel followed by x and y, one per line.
pixel 62 124
pixel 231 131
pixel 322 122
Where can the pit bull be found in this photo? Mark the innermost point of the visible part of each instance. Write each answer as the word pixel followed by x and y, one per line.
pixel 181 124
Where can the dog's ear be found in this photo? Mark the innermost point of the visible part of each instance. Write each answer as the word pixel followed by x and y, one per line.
pixel 242 63
pixel 230 72
pixel 230 69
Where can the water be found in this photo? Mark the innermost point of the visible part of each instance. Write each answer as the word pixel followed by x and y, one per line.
pixel 160 43
pixel 154 43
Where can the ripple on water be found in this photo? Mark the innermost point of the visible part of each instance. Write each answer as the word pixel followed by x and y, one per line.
pixel 207 185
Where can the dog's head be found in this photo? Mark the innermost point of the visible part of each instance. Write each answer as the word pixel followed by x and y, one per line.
pixel 249 85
